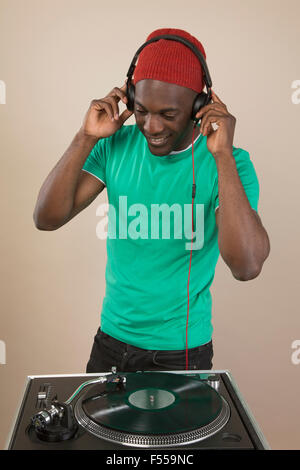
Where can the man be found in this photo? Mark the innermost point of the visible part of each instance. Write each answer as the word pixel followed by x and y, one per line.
pixel 147 168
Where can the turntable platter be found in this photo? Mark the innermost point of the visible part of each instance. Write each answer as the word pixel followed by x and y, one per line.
pixel 152 408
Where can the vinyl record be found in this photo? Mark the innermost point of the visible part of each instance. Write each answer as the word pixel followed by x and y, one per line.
pixel 154 403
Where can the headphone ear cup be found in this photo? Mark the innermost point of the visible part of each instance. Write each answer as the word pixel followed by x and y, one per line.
pixel 130 96
pixel 200 101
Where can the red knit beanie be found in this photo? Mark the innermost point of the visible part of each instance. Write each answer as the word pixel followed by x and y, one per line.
pixel 171 61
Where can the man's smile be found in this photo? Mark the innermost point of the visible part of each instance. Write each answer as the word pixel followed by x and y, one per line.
pixel 157 141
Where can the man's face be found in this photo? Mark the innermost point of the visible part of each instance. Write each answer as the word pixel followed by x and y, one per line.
pixel 163 115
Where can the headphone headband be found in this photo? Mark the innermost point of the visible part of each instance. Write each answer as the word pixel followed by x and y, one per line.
pixel 201 100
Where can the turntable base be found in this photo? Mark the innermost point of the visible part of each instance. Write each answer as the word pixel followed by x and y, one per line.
pixel 146 410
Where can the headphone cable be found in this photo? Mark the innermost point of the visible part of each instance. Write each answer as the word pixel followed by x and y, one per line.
pixel 188 284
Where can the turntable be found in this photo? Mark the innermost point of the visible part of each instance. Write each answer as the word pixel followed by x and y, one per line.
pixel 175 410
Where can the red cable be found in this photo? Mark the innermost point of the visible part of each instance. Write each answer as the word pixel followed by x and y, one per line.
pixel 188 296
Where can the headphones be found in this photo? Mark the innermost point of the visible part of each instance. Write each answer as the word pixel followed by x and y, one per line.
pixel 201 100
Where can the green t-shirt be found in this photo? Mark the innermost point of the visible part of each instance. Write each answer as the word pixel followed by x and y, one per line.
pixel 149 238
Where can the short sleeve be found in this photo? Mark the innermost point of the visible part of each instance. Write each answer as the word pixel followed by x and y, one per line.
pixel 247 176
pixel 95 163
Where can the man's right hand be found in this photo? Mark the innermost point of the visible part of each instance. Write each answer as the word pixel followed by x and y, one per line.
pixel 103 119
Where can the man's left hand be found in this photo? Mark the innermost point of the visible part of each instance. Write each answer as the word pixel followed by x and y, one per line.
pixel 219 141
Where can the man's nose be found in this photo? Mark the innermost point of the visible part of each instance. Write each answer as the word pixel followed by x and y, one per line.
pixel 153 125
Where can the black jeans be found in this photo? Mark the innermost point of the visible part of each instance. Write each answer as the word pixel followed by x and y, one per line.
pixel 108 352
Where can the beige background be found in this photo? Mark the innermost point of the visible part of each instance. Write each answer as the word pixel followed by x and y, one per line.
pixel 56 56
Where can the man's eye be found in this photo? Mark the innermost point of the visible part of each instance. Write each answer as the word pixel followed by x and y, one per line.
pixel 166 116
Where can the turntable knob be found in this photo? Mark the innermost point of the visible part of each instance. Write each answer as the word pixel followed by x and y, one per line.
pixel 214 381
pixel 41 419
